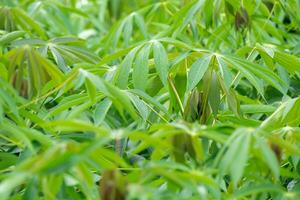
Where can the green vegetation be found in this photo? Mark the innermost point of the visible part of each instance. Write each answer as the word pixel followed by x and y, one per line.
pixel 149 99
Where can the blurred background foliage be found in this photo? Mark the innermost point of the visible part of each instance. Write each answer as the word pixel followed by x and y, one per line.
pixel 149 99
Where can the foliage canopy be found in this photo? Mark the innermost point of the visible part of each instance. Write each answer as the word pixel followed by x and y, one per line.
pixel 149 99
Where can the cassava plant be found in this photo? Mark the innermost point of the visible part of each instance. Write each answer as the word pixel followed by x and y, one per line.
pixel 149 99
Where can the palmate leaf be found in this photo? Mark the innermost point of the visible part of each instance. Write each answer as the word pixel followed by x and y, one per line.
pixel 268 27
pixel 235 159
pixel 28 65
pixel 251 71
pixel 137 59
pixel 61 17
pixel 125 26
pixel 287 61
pixel 150 100
pixel 16 134
pixel 221 73
pixel 286 114
pixel 65 51
pixel 56 159
pixel 117 96
pixel 12 18
pixel 23 137
pixel 68 103
pixel 76 54
pixel 185 15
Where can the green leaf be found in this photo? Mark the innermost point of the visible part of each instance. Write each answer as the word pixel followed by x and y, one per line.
pixel 288 113
pixel 91 89
pixel 128 27
pixel 214 94
pixel 101 111
pixel 27 23
pixel 197 71
pixel 248 74
pixel 7 160
pixel 141 24
pixel 264 73
pixel 140 106
pixel 7 185
pixel 289 62
pixel 74 125
pixel 51 185
pixel 140 70
pixel 149 99
pixel 269 157
pixel 118 97
pixel 257 108
pixel 124 69
pixel 235 159
pixel 9 37
pixel 257 188
pixel 59 59
pixel 161 61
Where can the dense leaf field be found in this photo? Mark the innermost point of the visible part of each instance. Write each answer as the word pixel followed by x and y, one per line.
pixel 149 99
